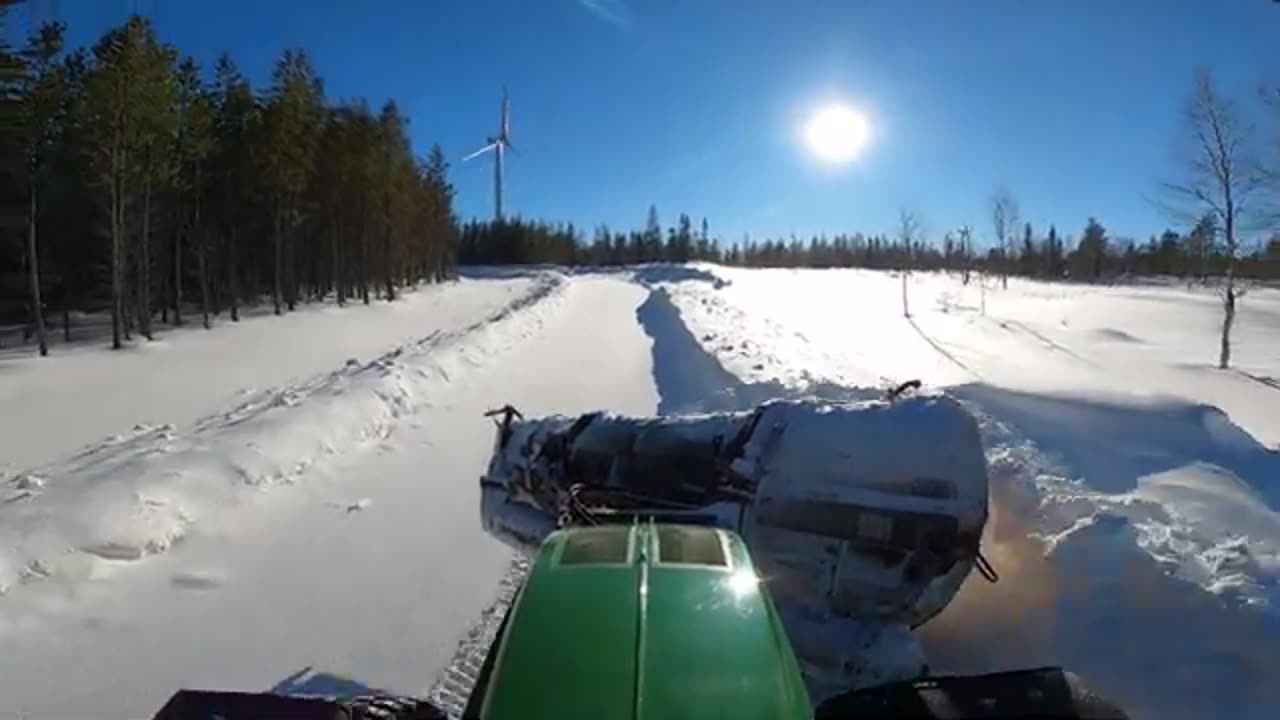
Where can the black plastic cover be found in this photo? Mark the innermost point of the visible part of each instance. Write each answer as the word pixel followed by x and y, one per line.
pixel 1048 693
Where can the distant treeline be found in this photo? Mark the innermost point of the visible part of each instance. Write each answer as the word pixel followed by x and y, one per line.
pixel 134 181
pixel 1198 253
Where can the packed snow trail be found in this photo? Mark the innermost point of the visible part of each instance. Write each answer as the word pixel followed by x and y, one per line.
pixel 369 567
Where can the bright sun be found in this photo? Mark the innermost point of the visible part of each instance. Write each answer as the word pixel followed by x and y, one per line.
pixel 836 134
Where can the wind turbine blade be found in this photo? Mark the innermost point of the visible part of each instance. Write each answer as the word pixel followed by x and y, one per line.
pixel 481 151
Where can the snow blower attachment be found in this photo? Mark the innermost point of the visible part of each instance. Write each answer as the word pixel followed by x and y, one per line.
pixel 766 564
pixel 657 620
pixel 863 518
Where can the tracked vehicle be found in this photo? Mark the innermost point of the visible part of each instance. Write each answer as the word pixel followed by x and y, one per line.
pixel 763 564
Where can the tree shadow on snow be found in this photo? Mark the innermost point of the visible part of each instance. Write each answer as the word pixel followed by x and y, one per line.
pixel 506 272
pixel 651 273
pixel 645 273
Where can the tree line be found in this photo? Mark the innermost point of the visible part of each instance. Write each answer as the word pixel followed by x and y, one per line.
pixel 1092 255
pixel 136 182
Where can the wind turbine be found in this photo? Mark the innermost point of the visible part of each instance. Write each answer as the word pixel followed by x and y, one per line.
pixel 499 145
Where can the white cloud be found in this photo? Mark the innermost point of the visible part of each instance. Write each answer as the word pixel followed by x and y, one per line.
pixel 614 12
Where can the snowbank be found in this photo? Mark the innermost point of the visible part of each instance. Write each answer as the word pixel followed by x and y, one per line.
pixel 137 494
pixel 80 394
pixel 1153 575
pixel 1199 493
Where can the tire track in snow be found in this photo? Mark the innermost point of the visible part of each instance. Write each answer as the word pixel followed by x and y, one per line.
pixel 454 684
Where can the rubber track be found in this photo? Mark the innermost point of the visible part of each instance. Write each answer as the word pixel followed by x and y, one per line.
pixel 453 685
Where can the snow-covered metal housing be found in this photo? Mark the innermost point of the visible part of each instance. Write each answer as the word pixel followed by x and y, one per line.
pixel 863 518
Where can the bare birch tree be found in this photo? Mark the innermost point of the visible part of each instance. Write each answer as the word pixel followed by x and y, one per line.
pixel 1220 180
pixel 1004 222
pixel 908 235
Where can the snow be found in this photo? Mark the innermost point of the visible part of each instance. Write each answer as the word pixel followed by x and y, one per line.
pixel 292 502
pixel 189 373
pixel 1135 487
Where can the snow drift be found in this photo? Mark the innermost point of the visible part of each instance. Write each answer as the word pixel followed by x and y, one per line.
pixel 136 495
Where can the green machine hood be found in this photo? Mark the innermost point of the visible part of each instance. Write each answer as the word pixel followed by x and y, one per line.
pixel 644 621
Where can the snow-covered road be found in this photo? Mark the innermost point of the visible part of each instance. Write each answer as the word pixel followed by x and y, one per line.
pixel 274 512
pixel 369 565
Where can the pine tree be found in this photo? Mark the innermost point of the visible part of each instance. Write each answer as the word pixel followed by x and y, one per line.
pixel 43 94
pixel 1092 250
pixel 141 150
pixel 1029 260
pixel 1053 254
pixel 292 119
pixel 233 176
pixel 194 143
pixel 650 247
pixel 437 200
pixel 153 79
pixel 396 164
pixel 1200 244
pixel 117 130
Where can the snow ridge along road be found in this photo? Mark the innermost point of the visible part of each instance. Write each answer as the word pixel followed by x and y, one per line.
pixel 81 394
pixel 136 495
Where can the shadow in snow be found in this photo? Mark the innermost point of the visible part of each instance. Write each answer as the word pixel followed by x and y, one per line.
pixel 502 272
pixel 941 350
pixel 1114 334
pixel 1270 382
pixel 689 379
pixel 308 681
pixel 651 273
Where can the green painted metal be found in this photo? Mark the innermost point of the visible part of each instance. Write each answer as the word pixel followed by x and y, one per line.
pixel 680 628
pixel 713 646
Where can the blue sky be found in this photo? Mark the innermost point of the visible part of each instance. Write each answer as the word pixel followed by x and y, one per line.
pixel 696 105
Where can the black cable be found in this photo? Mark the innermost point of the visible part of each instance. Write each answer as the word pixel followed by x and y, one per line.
pixel 985 569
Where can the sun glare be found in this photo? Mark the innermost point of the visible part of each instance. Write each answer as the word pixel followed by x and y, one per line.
pixel 836 134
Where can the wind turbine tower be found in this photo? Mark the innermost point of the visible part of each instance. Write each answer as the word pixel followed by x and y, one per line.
pixel 499 144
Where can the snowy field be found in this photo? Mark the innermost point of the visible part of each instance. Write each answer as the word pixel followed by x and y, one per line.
pixel 291 500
